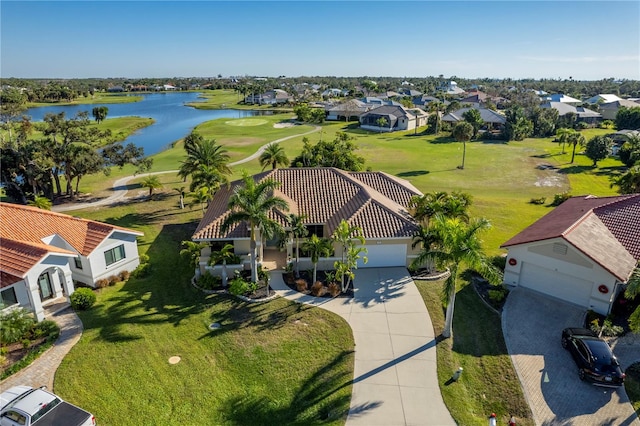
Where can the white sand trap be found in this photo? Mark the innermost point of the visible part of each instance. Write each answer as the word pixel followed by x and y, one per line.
pixel 283 125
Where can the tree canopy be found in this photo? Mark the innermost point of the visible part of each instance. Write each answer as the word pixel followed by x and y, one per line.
pixel 598 148
pixel 339 153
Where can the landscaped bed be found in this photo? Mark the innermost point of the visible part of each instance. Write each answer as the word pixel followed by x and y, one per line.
pixel 325 285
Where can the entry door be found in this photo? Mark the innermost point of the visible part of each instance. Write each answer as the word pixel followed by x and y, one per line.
pixel 44 283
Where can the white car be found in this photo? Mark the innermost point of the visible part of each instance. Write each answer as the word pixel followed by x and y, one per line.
pixel 26 406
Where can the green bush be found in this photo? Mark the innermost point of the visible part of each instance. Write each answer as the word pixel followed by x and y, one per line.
pixel 82 299
pixel 14 325
pixel 497 295
pixel 238 286
pixel 499 262
pixel 538 201
pixel 560 198
pixel 143 270
pixel 46 328
pixel 209 282
pixel 144 258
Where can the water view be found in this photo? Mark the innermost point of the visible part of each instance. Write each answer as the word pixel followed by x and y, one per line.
pixel 173 119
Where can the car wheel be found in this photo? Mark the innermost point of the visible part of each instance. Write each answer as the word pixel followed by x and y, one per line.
pixel 581 374
pixel 565 343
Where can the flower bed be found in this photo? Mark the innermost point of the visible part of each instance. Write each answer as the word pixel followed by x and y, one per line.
pixel 323 287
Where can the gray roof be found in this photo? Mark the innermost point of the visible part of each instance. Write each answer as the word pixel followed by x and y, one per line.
pixel 621 103
pixel 488 116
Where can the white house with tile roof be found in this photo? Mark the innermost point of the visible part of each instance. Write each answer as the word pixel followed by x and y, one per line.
pixel 603 99
pixel 375 201
pixel 583 252
pixel 44 255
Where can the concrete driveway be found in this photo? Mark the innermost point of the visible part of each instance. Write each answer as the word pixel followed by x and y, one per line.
pixel 532 325
pixel 395 379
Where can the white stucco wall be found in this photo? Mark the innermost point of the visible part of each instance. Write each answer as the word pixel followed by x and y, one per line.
pixel 574 264
pixel 97 263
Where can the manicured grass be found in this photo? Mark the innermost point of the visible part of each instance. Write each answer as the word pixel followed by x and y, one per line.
pixel 97 98
pixel 273 363
pixel 222 98
pixel 488 383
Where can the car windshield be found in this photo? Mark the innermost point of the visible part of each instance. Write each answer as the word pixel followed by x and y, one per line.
pixel 601 353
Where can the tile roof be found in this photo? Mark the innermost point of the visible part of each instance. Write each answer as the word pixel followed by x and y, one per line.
pixel 23 229
pixel 605 229
pixel 373 200
pixel 487 115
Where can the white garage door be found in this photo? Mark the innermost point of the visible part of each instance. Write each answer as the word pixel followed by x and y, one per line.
pixel 556 284
pixel 385 255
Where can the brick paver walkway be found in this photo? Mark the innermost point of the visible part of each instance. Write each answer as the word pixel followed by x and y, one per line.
pixel 42 371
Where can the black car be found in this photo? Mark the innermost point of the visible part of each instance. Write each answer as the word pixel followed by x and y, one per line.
pixel 593 356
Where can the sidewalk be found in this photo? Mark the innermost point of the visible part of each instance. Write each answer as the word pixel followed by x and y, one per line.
pixel 395 373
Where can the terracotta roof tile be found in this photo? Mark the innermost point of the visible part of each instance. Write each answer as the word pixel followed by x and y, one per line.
pixel 326 196
pixel 606 229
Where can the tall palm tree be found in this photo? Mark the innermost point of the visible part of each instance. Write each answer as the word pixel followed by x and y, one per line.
pixel 201 151
pixel 575 139
pixel 317 248
pixel 298 230
pixel 252 203
pixel 208 177
pixel 462 132
pixel 273 155
pixel 223 255
pixel 436 107
pixel 459 243
pixel 562 135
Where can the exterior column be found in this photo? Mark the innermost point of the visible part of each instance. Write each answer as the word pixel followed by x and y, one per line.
pixel 34 298
pixel 68 286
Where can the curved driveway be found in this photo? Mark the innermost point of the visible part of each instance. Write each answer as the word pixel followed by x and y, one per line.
pixel 396 381
pixel 532 325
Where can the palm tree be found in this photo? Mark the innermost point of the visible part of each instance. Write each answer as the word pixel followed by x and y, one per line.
pixel 426 239
pixel 462 132
pixel 575 139
pixel 436 107
pixel 252 203
pixel 201 151
pixel 346 235
pixel 562 135
pixel 208 177
pixel 298 230
pixel 201 196
pixel 459 243
pixel 191 252
pixel 317 248
pixel 632 291
pixel 40 202
pixel 151 182
pixel 182 193
pixel 273 155
pixel 629 182
pixel 224 254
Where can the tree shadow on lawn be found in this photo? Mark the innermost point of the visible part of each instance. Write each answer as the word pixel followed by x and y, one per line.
pixel 413 173
pixel 610 170
pixel 442 139
pixel 165 295
pixel 317 401
pixel 574 169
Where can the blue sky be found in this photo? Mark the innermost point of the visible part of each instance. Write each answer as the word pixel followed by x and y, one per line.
pixel 504 39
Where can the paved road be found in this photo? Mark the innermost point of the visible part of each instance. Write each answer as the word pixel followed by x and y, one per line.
pixel 395 381
pixel 120 186
pixel 532 325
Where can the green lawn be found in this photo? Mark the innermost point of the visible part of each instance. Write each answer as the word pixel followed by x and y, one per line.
pixel 632 385
pixel 162 316
pixel 97 98
pixel 273 363
pixel 223 98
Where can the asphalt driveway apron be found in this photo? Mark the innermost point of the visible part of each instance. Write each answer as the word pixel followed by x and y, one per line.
pixel 532 325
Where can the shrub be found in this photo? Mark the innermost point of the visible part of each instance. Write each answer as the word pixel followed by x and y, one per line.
pixel 46 328
pixel 124 275
pixel 301 285
pixel 581 125
pixel 26 343
pixel 14 325
pixel 334 289
pixel 143 270
pixel 263 274
pixel 560 198
pixel 538 201
pixel 144 258
pixel 238 286
pixel 209 282
pixel 499 262
pixel 318 289
pixel 82 299
pixel 497 295
pixel 102 283
pixel 113 280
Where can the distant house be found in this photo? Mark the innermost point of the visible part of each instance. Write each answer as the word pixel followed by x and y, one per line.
pixel 451 88
pixel 560 98
pixel 374 201
pixel 272 97
pixel 609 110
pixel 603 99
pixel 488 116
pixel 425 100
pixel 620 137
pixel 390 118
pixel 478 99
pixel 347 111
pixel 582 114
pixel 115 89
pixel 44 255
pixel 168 87
pixel 583 252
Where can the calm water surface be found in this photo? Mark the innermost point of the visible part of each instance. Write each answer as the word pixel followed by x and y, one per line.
pixel 173 119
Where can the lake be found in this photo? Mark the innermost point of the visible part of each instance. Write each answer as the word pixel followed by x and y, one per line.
pixel 173 119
